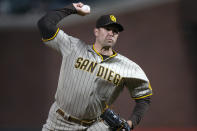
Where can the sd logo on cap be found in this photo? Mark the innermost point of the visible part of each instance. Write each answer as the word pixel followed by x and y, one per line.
pixel 106 20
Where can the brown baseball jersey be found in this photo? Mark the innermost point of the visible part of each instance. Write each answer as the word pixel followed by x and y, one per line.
pixel 88 83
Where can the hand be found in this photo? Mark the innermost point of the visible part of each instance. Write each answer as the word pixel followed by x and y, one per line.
pixel 127 126
pixel 130 123
pixel 78 7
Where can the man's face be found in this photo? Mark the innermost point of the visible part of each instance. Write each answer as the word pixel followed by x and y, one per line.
pixel 106 36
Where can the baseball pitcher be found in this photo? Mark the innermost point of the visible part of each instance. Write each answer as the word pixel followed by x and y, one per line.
pixel 92 76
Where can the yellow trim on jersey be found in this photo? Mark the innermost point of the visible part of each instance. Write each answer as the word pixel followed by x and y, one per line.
pixel 115 54
pixel 106 107
pixel 45 40
pixel 149 86
pixel 98 53
pixel 143 96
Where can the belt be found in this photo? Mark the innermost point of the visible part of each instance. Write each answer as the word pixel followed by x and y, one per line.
pixel 76 120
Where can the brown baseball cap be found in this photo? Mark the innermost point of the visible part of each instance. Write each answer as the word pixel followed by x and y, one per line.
pixel 106 20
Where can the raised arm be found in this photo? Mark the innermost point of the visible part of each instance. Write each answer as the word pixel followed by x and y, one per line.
pixel 48 23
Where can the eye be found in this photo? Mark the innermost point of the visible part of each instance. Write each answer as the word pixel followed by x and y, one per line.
pixel 112 29
pixel 107 28
pixel 115 31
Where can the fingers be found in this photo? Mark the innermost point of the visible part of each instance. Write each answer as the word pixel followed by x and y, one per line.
pixel 80 11
pixel 78 5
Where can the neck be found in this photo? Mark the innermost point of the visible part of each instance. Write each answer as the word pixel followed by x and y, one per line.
pixel 103 50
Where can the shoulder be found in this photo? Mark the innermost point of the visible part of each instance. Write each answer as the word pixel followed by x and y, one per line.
pixel 131 68
pixel 126 61
pixel 62 37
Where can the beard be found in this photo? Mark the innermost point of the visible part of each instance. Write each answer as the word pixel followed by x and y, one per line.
pixel 106 41
pixel 109 42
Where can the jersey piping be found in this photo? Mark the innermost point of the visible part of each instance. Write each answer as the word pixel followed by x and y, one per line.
pixel 143 96
pixel 45 40
pixel 114 53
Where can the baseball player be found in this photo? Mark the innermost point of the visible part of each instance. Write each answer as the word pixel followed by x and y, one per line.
pixel 92 76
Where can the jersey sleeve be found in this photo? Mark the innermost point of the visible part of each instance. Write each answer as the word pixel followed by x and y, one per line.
pixel 52 35
pixel 138 83
pixel 62 42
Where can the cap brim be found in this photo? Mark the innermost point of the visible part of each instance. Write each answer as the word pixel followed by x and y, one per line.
pixel 116 25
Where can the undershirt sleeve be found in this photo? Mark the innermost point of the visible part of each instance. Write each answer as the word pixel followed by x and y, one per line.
pixel 47 25
pixel 142 105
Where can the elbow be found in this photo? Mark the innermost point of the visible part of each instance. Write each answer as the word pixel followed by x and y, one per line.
pixel 41 23
pixel 46 27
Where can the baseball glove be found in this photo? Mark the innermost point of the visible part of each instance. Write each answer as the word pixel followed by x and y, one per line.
pixel 114 121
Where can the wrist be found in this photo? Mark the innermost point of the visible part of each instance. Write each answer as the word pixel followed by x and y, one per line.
pixel 130 123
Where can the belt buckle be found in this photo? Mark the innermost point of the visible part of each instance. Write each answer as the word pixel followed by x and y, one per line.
pixel 73 119
pixel 81 122
pixel 85 123
pixel 66 116
pixel 63 114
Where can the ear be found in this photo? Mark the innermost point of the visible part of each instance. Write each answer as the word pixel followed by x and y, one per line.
pixel 96 31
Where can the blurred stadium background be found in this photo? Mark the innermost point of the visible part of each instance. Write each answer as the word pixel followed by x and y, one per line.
pixel 160 35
